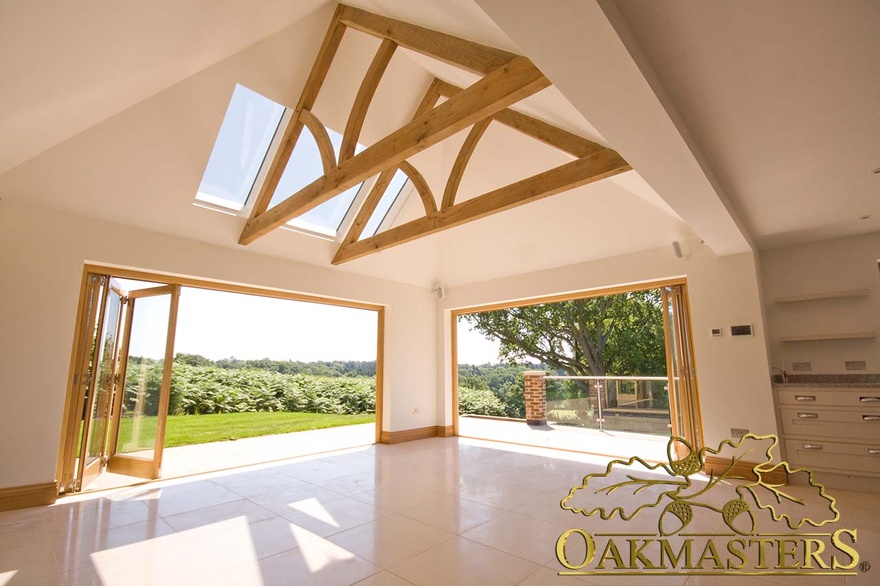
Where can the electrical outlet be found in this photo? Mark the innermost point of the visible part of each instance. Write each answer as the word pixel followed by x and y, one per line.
pixel 737 432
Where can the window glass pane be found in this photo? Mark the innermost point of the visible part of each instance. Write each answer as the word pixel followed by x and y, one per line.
pixel 245 135
pixel 304 167
pixel 388 199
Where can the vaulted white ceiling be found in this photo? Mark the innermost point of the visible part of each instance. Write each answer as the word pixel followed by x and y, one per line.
pixel 114 112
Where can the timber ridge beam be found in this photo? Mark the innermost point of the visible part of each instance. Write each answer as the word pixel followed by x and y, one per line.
pixel 508 78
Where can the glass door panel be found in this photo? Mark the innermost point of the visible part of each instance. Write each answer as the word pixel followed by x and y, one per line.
pixel 683 400
pixel 83 382
pixel 146 382
pixel 99 405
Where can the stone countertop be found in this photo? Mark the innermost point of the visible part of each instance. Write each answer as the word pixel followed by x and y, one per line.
pixel 863 385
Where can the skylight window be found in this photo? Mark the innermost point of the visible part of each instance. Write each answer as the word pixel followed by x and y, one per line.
pixel 248 128
pixel 388 198
pixel 304 167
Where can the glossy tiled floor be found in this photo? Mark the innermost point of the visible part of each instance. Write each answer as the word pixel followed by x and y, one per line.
pixel 565 437
pixel 198 458
pixel 439 511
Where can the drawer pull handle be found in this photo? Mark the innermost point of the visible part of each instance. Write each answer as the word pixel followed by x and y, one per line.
pixel 811 416
pixel 805 397
pixel 812 446
pixel 869 399
pixel 871 417
pixel 874 451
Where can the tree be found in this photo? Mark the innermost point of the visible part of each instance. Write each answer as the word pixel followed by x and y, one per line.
pixel 618 334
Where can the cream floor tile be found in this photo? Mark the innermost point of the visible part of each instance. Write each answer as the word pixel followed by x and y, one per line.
pixel 509 496
pixel 329 518
pixel 26 531
pixel 397 496
pixel 27 562
pixel 54 580
pixel 188 497
pixel 453 514
pixel 78 549
pixel 248 485
pixel 519 535
pixel 85 576
pixel 283 501
pixel 16 517
pixel 172 563
pixel 384 578
pixel 548 577
pixel 517 460
pixel 546 506
pixel 390 540
pixel 319 563
pixel 108 514
pixel 358 462
pixel 352 483
pixel 258 540
pixel 314 471
pixel 465 563
pixel 220 517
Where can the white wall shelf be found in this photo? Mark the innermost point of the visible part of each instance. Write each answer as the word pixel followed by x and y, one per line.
pixel 843 294
pixel 829 336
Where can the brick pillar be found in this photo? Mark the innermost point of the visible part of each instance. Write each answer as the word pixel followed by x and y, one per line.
pixel 536 397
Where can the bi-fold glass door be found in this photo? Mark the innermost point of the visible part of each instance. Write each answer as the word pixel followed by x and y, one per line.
pixel 141 408
pixel 122 381
pixel 684 406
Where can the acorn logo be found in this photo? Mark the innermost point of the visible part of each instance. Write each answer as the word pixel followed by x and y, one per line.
pixel 740 499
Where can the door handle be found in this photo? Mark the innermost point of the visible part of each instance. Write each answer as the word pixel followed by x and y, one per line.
pixel 808 416
pixel 812 446
pixel 874 451
pixel 805 397
pixel 869 399
pixel 871 417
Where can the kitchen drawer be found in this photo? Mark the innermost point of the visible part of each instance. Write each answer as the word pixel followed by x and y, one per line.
pixel 845 397
pixel 855 424
pixel 816 454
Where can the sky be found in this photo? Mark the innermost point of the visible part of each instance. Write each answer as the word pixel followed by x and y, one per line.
pixel 219 325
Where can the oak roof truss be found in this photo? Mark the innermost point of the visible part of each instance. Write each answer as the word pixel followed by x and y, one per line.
pixel 507 79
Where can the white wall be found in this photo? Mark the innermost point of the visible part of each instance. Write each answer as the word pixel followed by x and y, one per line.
pixel 42 253
pixel 832 265
pixel 732 373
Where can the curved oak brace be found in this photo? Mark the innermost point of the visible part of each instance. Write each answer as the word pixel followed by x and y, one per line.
pixel 364 97
pixel 566 141
pixel 322 139
pixel 461 161
pixel 369 206
pixel 421 186
pixel 605 163
pixel 306 102
pixel 429 100
pixel 509 84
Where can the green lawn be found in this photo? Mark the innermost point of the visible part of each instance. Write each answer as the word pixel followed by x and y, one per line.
pixel 185 430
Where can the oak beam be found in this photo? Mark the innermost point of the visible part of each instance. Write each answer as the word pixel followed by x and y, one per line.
pixel 429 100
pixel 507 85
pixel 461 161
pixel 306 102
pixel 369 205
pixel 421 186
pixel 605 163
pixel 322 139
pixel 547 133
pixel 364 97
pixel 466 54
